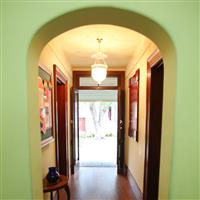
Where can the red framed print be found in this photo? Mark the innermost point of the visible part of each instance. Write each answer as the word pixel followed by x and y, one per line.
pixel 45 105
pixel 134 105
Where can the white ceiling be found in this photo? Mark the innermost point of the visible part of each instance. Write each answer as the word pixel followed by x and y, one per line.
pixel 120 44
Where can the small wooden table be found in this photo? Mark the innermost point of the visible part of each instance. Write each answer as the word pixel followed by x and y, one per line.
pixel 60 184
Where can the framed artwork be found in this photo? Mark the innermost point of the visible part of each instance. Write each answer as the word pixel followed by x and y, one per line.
pixel 134 105
pixel 45 105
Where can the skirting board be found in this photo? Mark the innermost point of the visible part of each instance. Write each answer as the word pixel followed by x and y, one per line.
pixel 134 186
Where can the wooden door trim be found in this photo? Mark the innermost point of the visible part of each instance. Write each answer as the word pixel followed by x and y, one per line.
pixel 58 76
pixel 121 133
pixel 154 61
pixel 154 58
pixel 120 87
pixel 74 98
pixel 71 131
pixel 119 74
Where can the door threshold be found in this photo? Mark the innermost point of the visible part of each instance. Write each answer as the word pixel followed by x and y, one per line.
pixel 97 164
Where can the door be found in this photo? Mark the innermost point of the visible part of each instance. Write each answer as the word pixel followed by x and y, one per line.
pixel 118 85
pixel 61 136
pixel 153 128
pixel 74 129
pixel 121 132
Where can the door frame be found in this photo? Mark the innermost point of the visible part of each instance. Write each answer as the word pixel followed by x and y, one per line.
pixel 119 74
pixel 121 114
pixel 74 108
pixel 58 76
pixel 155 68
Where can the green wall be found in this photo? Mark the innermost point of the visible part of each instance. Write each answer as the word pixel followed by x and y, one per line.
pixel 19 23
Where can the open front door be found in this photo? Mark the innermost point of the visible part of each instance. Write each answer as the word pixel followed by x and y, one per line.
pixel 74 129
pixel 121 132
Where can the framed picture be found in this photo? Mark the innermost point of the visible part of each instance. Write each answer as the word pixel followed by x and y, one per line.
pixel 134 105
pixel 45 105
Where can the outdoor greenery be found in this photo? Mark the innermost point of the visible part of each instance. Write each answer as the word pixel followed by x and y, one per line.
pixel 92 135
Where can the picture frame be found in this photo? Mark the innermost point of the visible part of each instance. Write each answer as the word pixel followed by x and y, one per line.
pixel 134 83
pixel 45 96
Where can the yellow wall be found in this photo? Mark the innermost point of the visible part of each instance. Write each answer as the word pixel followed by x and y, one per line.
pixel 49 57
pixel 134 157
pixel 134 150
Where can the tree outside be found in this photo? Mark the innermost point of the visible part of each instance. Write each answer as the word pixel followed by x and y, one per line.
pixel 98 132
pixel 97 119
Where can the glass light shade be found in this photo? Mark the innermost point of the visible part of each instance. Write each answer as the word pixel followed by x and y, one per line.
pixel 99 72
pixel 99 68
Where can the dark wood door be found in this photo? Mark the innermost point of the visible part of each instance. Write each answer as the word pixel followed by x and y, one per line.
pixel 121 132
pixel 61 125
pixel 74 129
pixel 153 129
pixel 61 129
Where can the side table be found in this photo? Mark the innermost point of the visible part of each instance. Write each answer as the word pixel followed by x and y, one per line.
pixel 61 183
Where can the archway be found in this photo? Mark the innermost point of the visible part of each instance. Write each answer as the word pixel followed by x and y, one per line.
pixel 114 16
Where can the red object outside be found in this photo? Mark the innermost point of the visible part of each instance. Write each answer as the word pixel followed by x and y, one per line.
pixel 82 124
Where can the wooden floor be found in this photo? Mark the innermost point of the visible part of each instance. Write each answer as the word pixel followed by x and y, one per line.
pixel 98 183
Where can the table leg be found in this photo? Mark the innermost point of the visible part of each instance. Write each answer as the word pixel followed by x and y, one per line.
pixel 67 191
pixel 51 195
pixel 58 194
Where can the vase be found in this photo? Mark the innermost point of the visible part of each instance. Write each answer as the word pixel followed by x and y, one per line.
pixel 52 175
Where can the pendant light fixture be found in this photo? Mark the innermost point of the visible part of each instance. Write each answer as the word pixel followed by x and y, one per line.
pixel 99 68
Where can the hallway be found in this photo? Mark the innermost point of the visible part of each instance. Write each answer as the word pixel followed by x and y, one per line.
pixel 99 183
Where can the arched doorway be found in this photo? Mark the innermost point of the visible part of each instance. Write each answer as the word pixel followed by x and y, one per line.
pixel 119 17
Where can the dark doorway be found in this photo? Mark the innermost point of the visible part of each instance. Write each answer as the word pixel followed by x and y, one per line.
pixel 155 73
pixel 115 81
pixel 61 111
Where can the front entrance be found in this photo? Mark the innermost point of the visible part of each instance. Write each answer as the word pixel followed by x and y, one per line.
pixel 98 121
pixel 98 114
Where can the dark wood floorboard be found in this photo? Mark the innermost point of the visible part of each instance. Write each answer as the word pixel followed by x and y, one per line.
pixel 98 183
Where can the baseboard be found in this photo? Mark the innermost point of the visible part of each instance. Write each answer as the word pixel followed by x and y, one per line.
pixel 134 186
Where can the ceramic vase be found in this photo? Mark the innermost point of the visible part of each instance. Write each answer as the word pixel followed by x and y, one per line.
pixel 52 175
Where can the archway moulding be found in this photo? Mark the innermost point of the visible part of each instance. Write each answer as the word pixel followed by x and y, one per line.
pixel 118 17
